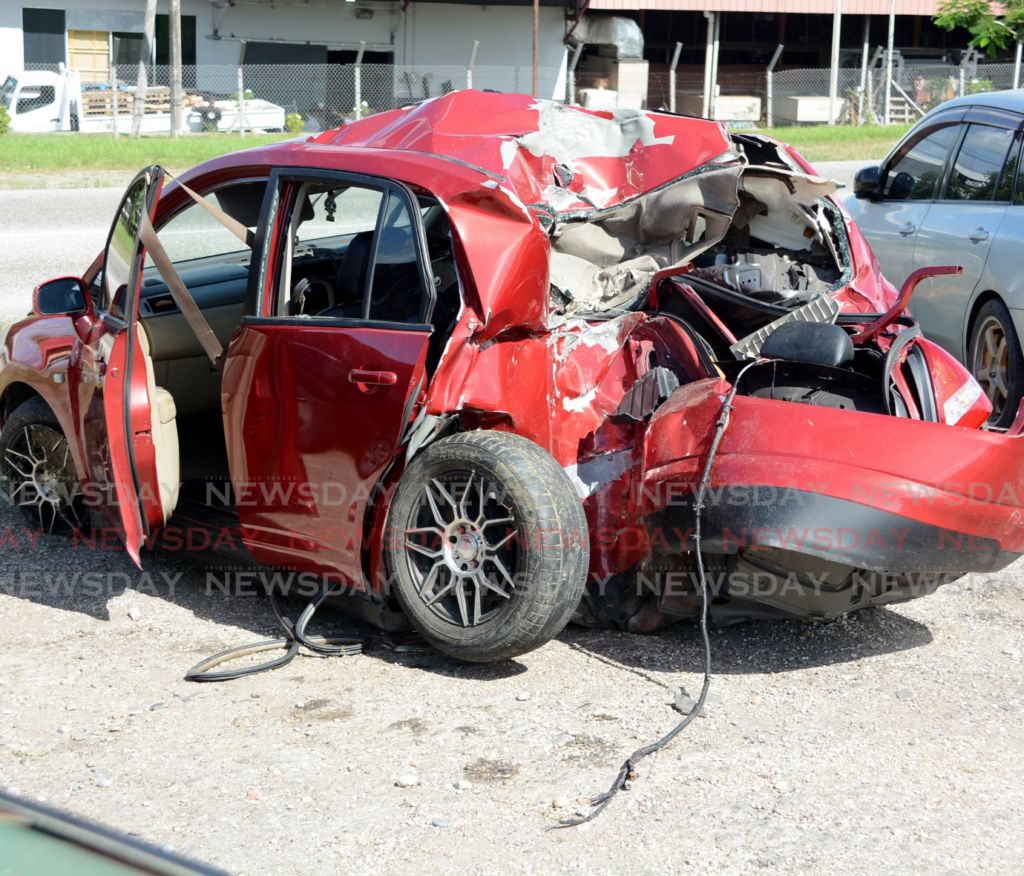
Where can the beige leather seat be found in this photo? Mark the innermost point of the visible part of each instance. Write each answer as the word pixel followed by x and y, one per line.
pixel 165 433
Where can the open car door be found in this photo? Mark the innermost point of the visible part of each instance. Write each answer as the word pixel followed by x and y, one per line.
pixel 113 397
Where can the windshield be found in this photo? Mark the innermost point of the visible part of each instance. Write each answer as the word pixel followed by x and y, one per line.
pixel 7 91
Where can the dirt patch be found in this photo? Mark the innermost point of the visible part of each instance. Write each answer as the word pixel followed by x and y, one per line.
pixel 583 745
pixel 486 770
pixel 413 725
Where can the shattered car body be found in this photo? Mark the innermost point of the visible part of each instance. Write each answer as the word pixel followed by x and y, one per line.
pixel 588 289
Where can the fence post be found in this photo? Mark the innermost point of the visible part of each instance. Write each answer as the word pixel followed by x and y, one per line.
pixel 871 91
pixel 888 62
pixel 469 67
pixel 357 77
pixel 672 78
pixel 572 73
pixel 240 118
pixel 768 76
pixel 1016 69
pixel 114 45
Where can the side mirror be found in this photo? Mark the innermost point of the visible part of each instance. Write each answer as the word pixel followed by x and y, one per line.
pixel 901 187
pixel 65 296
pixel 865 183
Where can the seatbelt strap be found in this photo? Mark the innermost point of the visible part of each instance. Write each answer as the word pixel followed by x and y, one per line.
pixel 182 297
pixel 229 222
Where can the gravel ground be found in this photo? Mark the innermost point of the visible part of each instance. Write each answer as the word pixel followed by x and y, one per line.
pixel 890 744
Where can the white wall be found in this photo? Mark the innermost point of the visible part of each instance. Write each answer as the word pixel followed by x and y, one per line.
pixel 428 33
pixel 435 33
pixel 12 49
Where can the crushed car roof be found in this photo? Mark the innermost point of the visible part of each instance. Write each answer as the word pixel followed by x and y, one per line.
pixel 603 158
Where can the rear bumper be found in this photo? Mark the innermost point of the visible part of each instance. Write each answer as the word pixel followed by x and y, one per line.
pixel 865 490
pixel 755 517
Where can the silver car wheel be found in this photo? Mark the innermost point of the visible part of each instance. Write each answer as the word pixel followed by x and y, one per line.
pixel 460 549
pixel 41 477
pixel 991 363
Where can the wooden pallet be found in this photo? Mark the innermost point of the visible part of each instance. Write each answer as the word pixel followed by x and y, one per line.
pixel 158 100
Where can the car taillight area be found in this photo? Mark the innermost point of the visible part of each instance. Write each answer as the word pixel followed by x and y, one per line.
pixel 960 400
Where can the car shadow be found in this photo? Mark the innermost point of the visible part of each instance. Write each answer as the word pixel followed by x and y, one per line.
pixel 763 647
pixel 54 571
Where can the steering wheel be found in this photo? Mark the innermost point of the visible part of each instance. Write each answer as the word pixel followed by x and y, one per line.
pixel 298 300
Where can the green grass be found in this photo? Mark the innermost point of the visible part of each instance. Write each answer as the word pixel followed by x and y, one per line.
pixel 822 143
pixel 82 153
pixel 22 155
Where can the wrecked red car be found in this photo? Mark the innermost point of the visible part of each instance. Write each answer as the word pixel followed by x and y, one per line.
pixel 466 358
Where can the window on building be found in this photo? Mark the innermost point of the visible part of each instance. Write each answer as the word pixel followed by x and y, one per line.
pixel 127 49
pixel 188 39
pixel 43 34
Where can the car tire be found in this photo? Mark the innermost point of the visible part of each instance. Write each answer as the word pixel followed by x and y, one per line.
pixel 38 471
pixel 996 361
pixel 487 545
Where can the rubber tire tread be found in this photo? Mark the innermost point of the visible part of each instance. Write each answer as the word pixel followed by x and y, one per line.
pixel 555 576
pixel 33 412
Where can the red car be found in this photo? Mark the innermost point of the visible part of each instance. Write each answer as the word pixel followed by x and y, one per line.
pixel 467 358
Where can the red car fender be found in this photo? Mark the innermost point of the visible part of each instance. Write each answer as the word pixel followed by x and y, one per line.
pixel 36 351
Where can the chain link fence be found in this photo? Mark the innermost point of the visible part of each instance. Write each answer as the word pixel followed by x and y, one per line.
pixel 322 96
pixel 800 97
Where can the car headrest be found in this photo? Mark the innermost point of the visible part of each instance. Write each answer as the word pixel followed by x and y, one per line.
pixel 243 202
pixel 351 280
pixel 820 343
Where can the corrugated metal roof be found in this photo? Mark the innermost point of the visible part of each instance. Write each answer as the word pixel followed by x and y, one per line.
pixel 851 7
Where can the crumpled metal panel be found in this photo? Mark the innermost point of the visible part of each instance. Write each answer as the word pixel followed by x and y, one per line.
pixel 612 156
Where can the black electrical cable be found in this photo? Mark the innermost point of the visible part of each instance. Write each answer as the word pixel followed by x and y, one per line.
pixel 628 771
pixel 337 646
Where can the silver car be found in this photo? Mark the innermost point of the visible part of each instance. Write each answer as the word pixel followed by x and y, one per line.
pixel 951 193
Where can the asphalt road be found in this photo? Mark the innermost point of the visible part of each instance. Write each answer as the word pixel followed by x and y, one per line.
pixel 48 233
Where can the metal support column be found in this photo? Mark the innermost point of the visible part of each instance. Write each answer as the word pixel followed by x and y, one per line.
pixel 709 52
pixel 672 78
pixel 769 84
pixel 833 74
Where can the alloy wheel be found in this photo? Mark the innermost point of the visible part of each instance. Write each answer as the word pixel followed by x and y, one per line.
pixel 991 365
pixel 460 547
pixel 40 477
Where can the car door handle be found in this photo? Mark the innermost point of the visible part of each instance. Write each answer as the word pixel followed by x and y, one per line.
pixel 978 236
pixel 907 228
pixel 372 378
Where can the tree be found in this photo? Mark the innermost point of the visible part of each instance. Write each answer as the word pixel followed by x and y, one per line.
pixel 141 86
pixel 992 26
pixel 176 95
